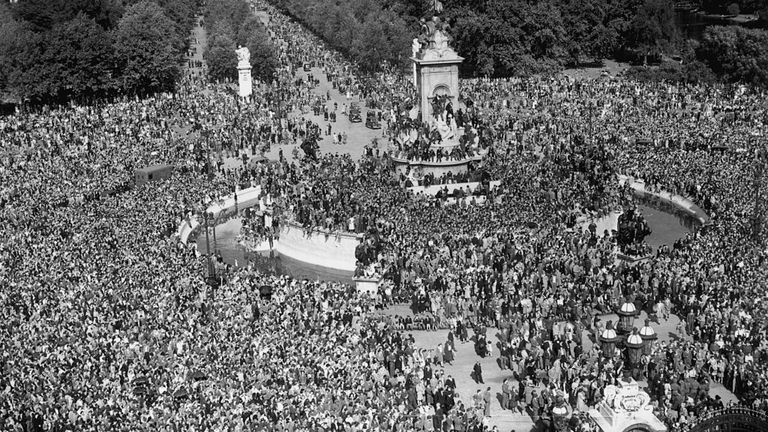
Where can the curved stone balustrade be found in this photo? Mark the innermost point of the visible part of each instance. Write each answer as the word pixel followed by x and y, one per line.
pixel 246 198
pixel 322 248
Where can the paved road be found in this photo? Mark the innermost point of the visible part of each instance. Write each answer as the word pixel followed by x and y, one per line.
pixel 198 43
pixel 358 136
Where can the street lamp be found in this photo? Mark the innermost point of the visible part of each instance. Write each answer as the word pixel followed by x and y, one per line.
pixel 634 344
pixel 761 158
pixel 208 247
pixel 561 413
pixel 608 340
pixel 627 314
pixel 213 225
pixel 649 336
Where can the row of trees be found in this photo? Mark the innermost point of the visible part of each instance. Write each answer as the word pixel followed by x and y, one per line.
pixel 725 53
pixel 52 51
pixel 497 37
pixel 231 24
pixel 523 37
pixel 369 32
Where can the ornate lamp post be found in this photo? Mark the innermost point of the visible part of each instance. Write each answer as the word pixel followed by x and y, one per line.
pixel 213 225
pixel 634 344
pixel 627 314
pixel 561 413
pixel 207 247
pixel 608 340
pixel 649 336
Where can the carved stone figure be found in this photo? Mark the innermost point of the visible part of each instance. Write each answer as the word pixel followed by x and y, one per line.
pixel 415 47
pixel 243 56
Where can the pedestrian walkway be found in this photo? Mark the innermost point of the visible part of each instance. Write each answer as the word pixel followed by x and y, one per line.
pixel 493 375
pixel 358 135
pixel 198 41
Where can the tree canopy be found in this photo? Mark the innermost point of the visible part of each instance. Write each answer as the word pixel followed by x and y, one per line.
pixel 736 53
pixel 523 37
pixel 145 48
pixel 367 31
pixel 52 51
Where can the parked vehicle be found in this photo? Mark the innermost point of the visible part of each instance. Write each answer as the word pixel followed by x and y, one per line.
pixel 354 113
pixel 372 120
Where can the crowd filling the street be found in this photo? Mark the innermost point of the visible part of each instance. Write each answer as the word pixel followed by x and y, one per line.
pixel 109 322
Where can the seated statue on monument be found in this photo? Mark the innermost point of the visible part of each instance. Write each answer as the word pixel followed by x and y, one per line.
pixel 439 120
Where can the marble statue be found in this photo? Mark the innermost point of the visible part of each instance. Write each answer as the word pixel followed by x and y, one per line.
pixel 442 127
pixel 415 47
pixel 243 56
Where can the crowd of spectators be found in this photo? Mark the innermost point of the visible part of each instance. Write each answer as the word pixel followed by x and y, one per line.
pixel 109 324
pixel 557 147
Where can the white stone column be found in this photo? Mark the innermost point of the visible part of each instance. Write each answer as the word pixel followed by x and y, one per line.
pixel 244 72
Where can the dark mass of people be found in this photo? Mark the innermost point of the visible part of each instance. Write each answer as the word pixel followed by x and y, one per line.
pixel 109 322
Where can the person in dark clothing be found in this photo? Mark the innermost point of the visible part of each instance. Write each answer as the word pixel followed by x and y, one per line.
pixel 437 419
pixel 477 371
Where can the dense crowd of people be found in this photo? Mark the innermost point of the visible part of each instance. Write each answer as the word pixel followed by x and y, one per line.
pixel 109 323
pixel 530 256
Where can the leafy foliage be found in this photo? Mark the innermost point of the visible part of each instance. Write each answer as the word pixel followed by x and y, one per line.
pixel 145 46
pixel 496 37
pixel 367 31
pixel 523 37
pixel 84 58
pixel 736 53
pixel 45 14
pixel 52 51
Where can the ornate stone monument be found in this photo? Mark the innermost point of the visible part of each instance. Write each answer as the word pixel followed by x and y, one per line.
pixel 244 72
pixel 436 77
pixel 436 66
pixel 626 408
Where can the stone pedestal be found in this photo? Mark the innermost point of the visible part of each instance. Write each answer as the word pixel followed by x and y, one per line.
pixel 626 408
pixel 436 73
pixel 246 83
pixel 244 72
pixel 368 286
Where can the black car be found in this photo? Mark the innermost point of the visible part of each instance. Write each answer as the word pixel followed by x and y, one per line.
pixel 372 120
pixel 355 115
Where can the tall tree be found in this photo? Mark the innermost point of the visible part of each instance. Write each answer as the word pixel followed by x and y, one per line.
pixel 81 54
pixel 146 49
pixel 45 14
pixel 221 58
pixel 736 53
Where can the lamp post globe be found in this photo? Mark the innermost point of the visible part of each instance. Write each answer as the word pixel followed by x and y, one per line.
pixel 627 313
pixel 634 345
pixel 649 336
pixel 608 339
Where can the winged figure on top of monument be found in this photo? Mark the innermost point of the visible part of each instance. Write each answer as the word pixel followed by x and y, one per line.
pixel 437 7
